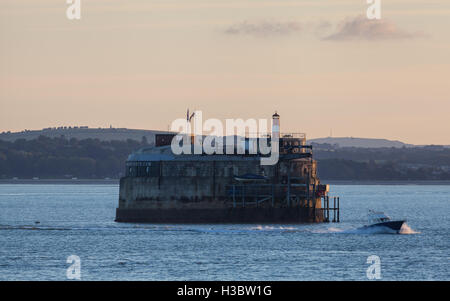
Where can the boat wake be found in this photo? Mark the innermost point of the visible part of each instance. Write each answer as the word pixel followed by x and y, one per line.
pixel 228 229
pixel 244 229
pixel 274 228
pixel 370 230
pixel 407 230
pixel 225 229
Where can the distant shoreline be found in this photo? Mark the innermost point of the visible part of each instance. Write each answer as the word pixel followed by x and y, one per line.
pixel 116 182
pixel 384 182
pixel 61 181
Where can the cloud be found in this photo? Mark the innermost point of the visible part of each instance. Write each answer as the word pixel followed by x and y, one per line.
pixel 361 28
pixel 264 28
pixel 351 28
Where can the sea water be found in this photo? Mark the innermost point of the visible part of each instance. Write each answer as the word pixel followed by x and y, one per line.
pixel 42 225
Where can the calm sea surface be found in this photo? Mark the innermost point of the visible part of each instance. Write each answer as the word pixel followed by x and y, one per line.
pixel 79 220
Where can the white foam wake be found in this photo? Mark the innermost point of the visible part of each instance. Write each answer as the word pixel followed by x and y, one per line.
pixel 272 228
pixel 405 229
pixel 369 230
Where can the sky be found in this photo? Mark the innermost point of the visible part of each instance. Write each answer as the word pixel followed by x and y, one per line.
pixel 321 64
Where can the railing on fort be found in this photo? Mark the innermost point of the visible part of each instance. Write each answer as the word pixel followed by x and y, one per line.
pixel 282 195
pixel 252 194
pixel 269 135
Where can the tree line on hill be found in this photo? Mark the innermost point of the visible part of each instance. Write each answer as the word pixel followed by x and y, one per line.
pixel 58 158
pixel 407 163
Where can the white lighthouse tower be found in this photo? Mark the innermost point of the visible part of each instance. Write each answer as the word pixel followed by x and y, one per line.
pixel 275 126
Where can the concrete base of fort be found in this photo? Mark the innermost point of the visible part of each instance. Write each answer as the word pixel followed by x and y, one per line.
pixel 294 215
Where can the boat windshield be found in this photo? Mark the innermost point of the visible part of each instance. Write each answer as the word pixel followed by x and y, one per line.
pixel 377 217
